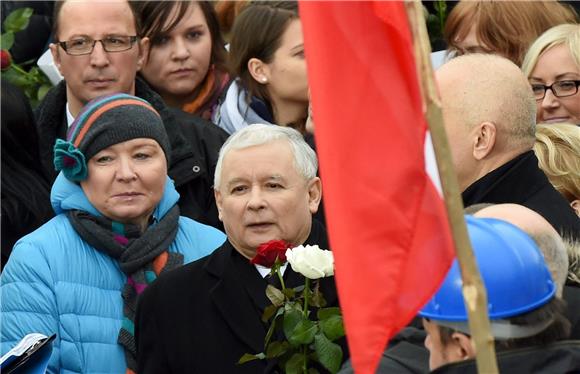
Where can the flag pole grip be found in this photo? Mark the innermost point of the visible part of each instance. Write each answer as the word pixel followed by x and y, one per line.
pixel 474 292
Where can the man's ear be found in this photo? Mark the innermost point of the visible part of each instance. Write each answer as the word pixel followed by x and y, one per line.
pixel 463 345
pixel 259 70
pixel 575 204
pixel 218 201
pixel 144 45
pixel 55 56
pixel 314 194
pixel 484 140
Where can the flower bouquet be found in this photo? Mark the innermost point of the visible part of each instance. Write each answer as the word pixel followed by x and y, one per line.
pixel 299 316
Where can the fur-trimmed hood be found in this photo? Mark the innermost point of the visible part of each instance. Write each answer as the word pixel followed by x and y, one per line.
pixel 573 249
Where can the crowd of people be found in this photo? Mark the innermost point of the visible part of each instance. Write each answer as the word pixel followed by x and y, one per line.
pixel 136 192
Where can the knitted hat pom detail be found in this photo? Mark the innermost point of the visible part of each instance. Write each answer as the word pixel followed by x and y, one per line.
pixel 70 160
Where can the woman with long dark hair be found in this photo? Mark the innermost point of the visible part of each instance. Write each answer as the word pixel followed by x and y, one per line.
pixel 186 59
pixel 267 60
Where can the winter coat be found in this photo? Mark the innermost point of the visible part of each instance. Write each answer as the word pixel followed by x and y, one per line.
pixel 195 145
pixel 55 282
pixel 560 357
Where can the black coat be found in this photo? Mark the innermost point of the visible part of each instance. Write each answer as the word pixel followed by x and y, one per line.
pixel 561 357
pixel 195 145
pixel 202 317
pixel 406 354
pixel 572 297
pixel 521 181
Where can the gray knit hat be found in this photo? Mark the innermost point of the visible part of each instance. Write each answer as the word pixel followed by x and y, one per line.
pixel 103 122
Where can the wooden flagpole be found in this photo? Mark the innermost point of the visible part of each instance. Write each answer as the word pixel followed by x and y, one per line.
pixel 474 292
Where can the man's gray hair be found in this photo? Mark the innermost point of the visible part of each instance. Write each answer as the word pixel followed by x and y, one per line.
pixel 305 159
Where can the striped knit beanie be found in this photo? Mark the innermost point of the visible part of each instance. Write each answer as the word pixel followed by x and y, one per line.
pixel 103 122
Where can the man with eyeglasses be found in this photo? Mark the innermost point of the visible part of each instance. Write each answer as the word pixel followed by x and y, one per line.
pixel 490 115
pixel 98 51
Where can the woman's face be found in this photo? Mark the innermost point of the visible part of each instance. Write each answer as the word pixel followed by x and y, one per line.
pixel 126 181
pixel 286 74
pixel 471 43
pixel 179 61
pixel 556 65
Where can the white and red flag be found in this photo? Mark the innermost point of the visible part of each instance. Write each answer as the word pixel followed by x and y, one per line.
pixel 386 220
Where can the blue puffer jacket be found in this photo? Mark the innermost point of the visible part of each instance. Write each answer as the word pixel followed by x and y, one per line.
pixel 55 282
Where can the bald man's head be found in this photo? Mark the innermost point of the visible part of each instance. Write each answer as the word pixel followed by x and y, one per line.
pixel 489 113
pixel 545 236
pixel 482 87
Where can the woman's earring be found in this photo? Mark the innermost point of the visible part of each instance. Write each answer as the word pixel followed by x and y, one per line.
pixel 264 80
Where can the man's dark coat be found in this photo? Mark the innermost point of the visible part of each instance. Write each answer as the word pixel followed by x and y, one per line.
pixel 560 357
pixel 521 181
pixel 204 316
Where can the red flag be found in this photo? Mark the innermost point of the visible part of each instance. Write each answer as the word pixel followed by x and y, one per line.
pixel 386 221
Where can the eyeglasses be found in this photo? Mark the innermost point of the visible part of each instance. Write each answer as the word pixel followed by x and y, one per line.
pixel 559 89
pixel 85 46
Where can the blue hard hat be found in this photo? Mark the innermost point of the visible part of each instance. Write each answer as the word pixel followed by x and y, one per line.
pixel 513 270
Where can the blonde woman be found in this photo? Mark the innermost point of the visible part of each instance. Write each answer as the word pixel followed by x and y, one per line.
pixel 558 150
pixel 552 65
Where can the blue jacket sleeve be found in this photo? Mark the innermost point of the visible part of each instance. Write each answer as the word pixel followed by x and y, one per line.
pixel 28 300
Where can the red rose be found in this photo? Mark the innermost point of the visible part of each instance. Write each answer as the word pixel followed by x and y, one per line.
pixel 267 253
pixel 6 59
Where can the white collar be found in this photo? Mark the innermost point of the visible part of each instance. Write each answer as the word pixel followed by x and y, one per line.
pixel 69 117
pixel 264 271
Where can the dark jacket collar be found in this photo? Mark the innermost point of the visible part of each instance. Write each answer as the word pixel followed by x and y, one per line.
pixel 521 177
pixel 560 357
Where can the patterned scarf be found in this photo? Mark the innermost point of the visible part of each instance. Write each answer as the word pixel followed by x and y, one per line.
pixel 207 99
pixel 141 256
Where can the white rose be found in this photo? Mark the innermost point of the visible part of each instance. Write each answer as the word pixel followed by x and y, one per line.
pixel 311 261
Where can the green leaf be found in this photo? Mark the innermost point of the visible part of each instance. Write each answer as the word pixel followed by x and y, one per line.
pixel 269 311
pixel 272 327
pixel 303 333
pixel 329 353
pixel 325 313
pixel 14 77
pixel 316 298
pixel 295 363
pixel 42 91
pixel 299 288
pixel 249 357
pixel 291 319
pixel 313 371
pixel 332 327
pixel 275 295
pixel 276 349
pixel 289 292
pixel 18 20
pixel 6 40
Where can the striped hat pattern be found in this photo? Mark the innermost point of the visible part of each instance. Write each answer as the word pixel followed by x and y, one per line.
pixel 103 122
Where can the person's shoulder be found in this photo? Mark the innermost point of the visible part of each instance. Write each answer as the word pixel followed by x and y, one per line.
pixel 198 129
pixel 52 107
pixel 190 275
pixel 200 234
pixel 53 230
